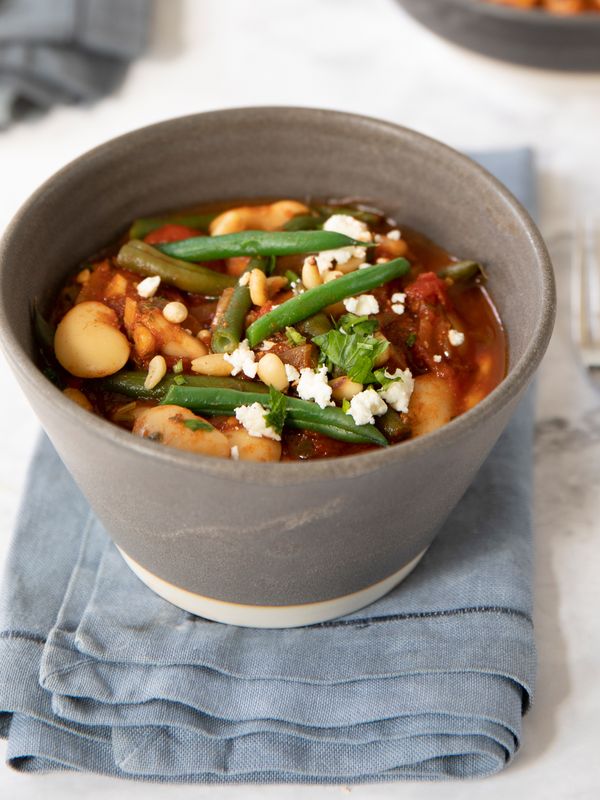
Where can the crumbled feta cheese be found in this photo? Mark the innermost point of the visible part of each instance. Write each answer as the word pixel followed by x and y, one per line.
pixel 394 235
pixel 365 406
pixel 267 345
pixel 437 359
pixel 242 360
pixel 291 372
pixel 398 300
pixel 349 226
pixel 253 419
pixel 235 452
pixel 398 393
pixel 362 305
pixel 456 338
pixel 147 288
pixel 314 386
pixel 329 259
pixel 244 279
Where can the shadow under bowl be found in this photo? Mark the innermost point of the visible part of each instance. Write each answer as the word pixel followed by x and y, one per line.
pixel 266 536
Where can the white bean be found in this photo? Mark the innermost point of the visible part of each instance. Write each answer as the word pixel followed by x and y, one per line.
pixel 88 342
pixel 252 448
pixel 262 218
pixel 344 388
pixel 311 277
pixel 175 312
pixel 271 370
pixel 157 369
pixel 431 404
pixel 212 364
pixel 257 285
pixel 166 424
pixel 77 396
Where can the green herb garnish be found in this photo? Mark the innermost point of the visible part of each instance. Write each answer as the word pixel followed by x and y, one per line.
pixel 178 367
pixel 352 323
pixel 383 379
pixel 197 425
pixel 294 337
pixel 275 417
pixel 351 348
pixel 411 339
pixel 179 380
pixel 345 405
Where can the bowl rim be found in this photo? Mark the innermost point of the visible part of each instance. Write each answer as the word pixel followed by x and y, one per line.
pixel 292 472
pixel 528 16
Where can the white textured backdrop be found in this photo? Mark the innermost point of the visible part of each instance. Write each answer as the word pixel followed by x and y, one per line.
pixel 367 56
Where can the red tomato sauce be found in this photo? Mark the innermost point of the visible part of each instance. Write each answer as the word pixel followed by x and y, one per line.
pixel 435 309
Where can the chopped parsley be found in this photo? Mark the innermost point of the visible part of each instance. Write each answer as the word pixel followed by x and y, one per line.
pixel 275 417
pixel 197 425
pixel 351 347
pixel 411 339
pixel 294 337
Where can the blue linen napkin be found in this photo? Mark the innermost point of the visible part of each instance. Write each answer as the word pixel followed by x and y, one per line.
pixel 65 51
pixel 97 673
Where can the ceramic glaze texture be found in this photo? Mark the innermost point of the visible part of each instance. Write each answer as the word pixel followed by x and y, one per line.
pixel 533 38
pixel 274 534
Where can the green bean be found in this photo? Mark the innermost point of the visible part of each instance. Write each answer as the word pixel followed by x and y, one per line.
pixel 147 260
pixel 145 225
pixel 369 217
pixel 314 300
pixel 292 276
pixel 315 325
pixel 462 271
pixel 229 325
pixel 43 330
pixel 43 333
pixel 304 222
pixel 256 243
pixel 131 383
pixel 331 421
pixel 393 427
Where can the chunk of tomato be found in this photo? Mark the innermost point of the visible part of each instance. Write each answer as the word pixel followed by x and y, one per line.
pixel 170 233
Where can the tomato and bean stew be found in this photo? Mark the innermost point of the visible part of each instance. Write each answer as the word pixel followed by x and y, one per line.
pixel 274 331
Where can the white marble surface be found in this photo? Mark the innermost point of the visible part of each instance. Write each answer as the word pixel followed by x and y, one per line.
pixel 370 58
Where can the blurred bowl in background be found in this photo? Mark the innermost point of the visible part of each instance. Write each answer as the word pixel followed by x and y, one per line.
pixel 533 38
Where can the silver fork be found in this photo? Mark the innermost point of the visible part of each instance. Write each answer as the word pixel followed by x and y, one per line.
pixel 585 294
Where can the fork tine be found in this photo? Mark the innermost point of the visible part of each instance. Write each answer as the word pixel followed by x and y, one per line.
pixel 592 262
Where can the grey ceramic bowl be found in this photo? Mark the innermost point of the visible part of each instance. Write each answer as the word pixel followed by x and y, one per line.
pixel 291 534
pixel 533 38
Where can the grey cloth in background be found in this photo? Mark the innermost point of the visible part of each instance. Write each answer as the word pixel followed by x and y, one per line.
pixel 65 51
pixel 97 673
